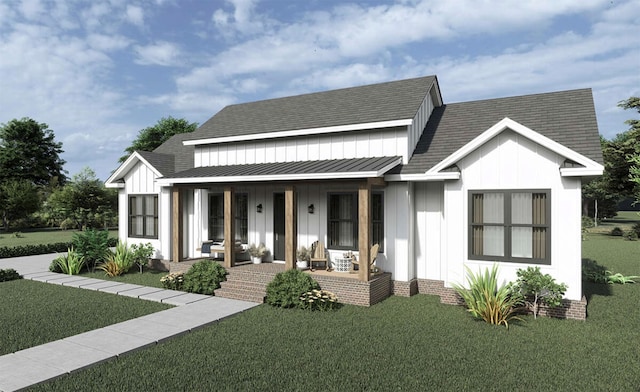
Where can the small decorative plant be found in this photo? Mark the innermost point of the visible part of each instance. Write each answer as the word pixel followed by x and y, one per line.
pixel 303 254
pixel 488 301
pixel 537 289
pixel 257 250
pixel 318 300
pixel 173 281
pixel 118 262
pixel 596 273
pixel 71 263
pixel 141 254
pixel 93 246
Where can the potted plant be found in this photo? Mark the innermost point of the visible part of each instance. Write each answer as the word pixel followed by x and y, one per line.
pixel 303 256
pixel 257 252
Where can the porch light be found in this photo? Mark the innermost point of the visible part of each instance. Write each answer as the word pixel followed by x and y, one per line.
pixel 310 208
pixel 259 208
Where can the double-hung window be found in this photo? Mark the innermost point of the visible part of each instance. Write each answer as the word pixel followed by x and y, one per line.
pixel 343 220
pixel 512 225
pixel 216 217
pixel 143 216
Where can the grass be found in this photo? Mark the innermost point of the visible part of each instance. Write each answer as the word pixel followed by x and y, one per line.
pixel 35 313
pixel 400 344
pixel 40 237
pixel 624 220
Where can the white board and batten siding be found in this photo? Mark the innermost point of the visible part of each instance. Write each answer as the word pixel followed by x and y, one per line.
pixel 508 161
pixel 343 145
pixel 141 180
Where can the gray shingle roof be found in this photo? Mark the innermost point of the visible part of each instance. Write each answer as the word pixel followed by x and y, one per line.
pixel 567 117
pixel 363 104
pixel 184 155
pixel 310 168
pixel 164 163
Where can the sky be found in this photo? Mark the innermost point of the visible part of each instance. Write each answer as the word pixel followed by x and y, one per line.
pixel 97 72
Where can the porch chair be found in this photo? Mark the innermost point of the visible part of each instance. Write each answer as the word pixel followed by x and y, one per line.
pixel 318 255
pixel 373 254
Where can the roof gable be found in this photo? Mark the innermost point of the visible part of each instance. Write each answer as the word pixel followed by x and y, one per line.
pixel 376 103
pixel 588 166
pixel 160 164
pixel 566 118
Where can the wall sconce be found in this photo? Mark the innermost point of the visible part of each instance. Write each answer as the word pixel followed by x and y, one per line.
pixel 311 208
pixel 259 208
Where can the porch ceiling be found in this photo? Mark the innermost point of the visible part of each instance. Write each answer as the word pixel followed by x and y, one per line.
pixel 286 171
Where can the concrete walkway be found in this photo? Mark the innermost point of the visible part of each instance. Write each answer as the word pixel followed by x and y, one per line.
pixel 48 361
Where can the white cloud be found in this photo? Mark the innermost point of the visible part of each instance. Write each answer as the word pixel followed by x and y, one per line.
pixel 244 20
pixel 134 15
pixel 108 43
pixel 31 9
pixel 162 53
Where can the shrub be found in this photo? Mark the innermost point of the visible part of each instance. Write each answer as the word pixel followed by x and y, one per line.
pixel 29 250
pixel 318 300
pixel 172 281
pixel 9 274
pixel 593 272
pixel 616 231
pixel 631 235
pixel 71 263
pixel 204 277
pixel 118 262
pixel 141 254
pixel 596 273
pixel 93 246
pixel 488 301
pixel 286 288
pixel 537 289
pixel 587 222
pixel 636 229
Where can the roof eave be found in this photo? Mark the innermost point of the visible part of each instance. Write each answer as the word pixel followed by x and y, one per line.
pixel 301 132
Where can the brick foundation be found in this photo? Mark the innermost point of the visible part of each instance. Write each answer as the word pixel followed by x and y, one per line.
pixel 570 309
pixel 404 289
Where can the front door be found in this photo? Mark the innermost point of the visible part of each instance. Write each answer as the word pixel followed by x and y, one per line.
pixel 278 226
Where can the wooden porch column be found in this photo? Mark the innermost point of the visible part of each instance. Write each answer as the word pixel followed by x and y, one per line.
pixel 176 227
pixel 229 228
pixel 364 229
pixel 290 229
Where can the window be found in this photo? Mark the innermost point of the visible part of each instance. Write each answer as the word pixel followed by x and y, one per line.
pixel 343 220
pixel 510 226
pixel 143 216
pixel 216 217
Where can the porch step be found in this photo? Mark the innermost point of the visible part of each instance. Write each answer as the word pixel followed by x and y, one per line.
pixel 244 285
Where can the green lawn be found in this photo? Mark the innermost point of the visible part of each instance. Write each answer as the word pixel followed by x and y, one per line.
pixel 400 344
pixel 33 313
pixel 624 220
pixel 23 238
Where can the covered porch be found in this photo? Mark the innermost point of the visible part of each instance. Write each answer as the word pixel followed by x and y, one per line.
pixel 357 177
pixel 248 282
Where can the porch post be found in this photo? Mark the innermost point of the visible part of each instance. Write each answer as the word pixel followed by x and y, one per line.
pixel 229 228
pixel 364 229
pixel 176 227
pixel 290 230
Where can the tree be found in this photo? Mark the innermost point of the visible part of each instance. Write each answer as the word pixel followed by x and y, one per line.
pixel 632 144
pixel 18 199
pixel 28 151
pixel 621 177
pixel 151 138
pixel 81 203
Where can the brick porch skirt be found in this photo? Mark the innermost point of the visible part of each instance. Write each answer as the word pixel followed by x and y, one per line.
pixel 569 309
pixel 352 291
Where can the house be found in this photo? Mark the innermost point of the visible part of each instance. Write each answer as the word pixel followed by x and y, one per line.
pixel 437 186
